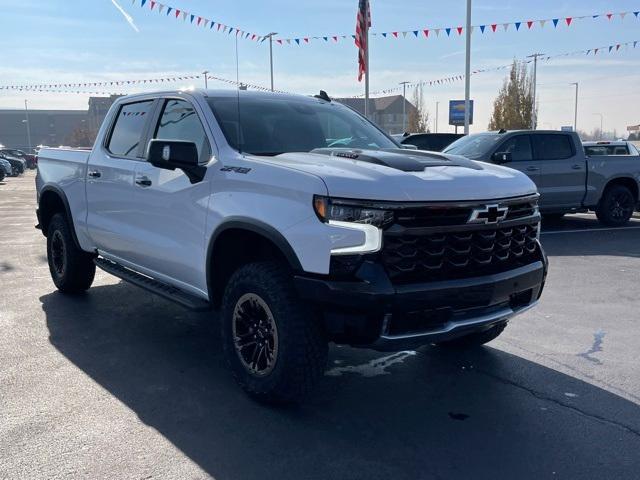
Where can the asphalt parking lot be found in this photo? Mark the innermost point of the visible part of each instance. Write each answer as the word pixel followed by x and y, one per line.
pixel 121 384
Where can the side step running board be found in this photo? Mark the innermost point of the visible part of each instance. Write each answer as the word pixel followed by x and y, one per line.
pixel 167 291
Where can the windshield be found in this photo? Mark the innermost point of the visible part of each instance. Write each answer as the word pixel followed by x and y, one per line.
pixel 474 146
pixel 274 125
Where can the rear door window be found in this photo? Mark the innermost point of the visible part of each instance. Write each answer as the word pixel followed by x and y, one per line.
pixel 519 147
pixel 126 134
pixel 553 147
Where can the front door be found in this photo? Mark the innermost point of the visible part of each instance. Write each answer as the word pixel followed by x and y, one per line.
pixel 522 159
pixel 171 210
pixel 110 176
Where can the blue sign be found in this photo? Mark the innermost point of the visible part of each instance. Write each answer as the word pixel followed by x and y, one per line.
pixel 456 112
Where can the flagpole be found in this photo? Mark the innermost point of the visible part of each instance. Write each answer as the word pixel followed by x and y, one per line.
pixel 366 59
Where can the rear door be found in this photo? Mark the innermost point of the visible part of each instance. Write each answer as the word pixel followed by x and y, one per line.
pixel 563 170
pixel 170 210
pixel 522 158
pixel 110 173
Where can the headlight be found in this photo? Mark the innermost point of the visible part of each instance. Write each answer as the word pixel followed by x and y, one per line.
pixel 329 210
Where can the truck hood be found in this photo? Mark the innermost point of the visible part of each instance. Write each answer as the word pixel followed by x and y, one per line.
pixel 405 175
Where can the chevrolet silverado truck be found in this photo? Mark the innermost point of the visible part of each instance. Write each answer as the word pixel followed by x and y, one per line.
pixel 569 180
pixel 299 221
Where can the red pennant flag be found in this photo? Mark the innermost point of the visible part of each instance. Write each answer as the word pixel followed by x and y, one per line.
pixel 335 39
pixel 306 40
pixel 568 20
pixel 529 24
pixel 494 26
pixel 199 21
pixel 609 15
pixel 459 30
pixel 153 4
pixel 177 13
pixel 618 47
pixel 279 41
pixel 395 34
pixel 426 33
pixel 595 52
pixel 253 37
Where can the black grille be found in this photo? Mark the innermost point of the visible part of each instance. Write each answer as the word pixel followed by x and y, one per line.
pixel 420 216
pixel 465 254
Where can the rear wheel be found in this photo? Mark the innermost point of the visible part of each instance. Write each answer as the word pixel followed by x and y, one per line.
pixel 72 269
pixel 274 344
pixel 475 339
pixel 616 206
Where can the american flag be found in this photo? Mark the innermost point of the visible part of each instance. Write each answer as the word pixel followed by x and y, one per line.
pixel 363 23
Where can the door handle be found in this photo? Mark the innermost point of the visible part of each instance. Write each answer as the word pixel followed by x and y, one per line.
pixel 576 166
pixel 533 169
pixel 94 174
pixel 143 182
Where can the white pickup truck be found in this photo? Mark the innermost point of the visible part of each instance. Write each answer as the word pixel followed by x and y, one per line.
pixel 300 221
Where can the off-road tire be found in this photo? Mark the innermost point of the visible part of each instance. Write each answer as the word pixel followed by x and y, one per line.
pixel 78 270
pixel 614 198
pixel 302 346
pixel 474 340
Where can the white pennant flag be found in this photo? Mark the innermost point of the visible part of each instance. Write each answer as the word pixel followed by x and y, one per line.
pixel 542 22
pixel 505 26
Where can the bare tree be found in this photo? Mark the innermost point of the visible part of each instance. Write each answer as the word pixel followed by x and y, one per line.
pixel 513 107
pixel 419 119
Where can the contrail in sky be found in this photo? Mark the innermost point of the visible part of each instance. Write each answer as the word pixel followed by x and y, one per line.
pixel 126 16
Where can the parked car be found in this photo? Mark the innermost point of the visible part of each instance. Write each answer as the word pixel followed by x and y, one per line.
pixel 5 168
pixel 568 180
pixel 433 142
pixel 18 165
pixel 30 160
pixel 242 202
pixel 601 148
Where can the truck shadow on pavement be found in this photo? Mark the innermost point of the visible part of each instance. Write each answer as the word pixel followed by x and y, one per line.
pixel 429 414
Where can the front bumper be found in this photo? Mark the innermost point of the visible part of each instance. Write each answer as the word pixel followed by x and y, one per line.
pixel 374 313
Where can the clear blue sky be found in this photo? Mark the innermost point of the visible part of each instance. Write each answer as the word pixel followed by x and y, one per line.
pixel 75 40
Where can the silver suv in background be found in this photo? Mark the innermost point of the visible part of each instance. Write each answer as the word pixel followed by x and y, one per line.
pixel 569 181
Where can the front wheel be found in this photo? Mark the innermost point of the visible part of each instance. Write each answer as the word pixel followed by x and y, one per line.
pixel 474 340
pixel 274 344
pixel 616 206
pixel 72 270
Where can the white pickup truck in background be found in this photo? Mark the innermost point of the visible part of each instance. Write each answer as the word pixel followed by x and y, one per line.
pixel 300 221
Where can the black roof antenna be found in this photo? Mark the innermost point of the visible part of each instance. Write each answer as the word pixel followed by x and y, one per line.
pixel 502 130
pixel 323 96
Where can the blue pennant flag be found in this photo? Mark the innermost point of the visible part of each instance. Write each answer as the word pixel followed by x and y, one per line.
pixel 482 27
pixel 636 14
pixel 143 2
pixel 610 48
pixel 448 30
pixel 297 41
pixel 230 30
pixel 326 39
pixel 353 36
pixel 415 32
pixel 596 16
pixel 169 10
pixel 588 52
pixel 212 24
pixel 555 22
pixel 384 34
pixel 192 17
pixel 518 25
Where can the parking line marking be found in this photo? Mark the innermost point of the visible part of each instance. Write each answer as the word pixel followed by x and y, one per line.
pixel 611 229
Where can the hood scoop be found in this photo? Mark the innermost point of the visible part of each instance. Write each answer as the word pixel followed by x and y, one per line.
pixel 400 159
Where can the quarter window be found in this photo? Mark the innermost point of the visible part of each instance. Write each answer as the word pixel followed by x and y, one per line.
pixel 553 147
pixel 127 131
pixel 179 121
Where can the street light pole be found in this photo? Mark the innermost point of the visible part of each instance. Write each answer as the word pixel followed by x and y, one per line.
pixel 534 112
pixel 205 73
pixel 26 113
pixel 270 37
pixel 467 76
pixel 404 106
pixel 601 125
pixel 437 103
pixel 575 121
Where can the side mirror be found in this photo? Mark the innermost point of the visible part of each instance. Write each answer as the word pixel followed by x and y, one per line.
pixel 408 146
pixel 501 157
pixel 172 154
